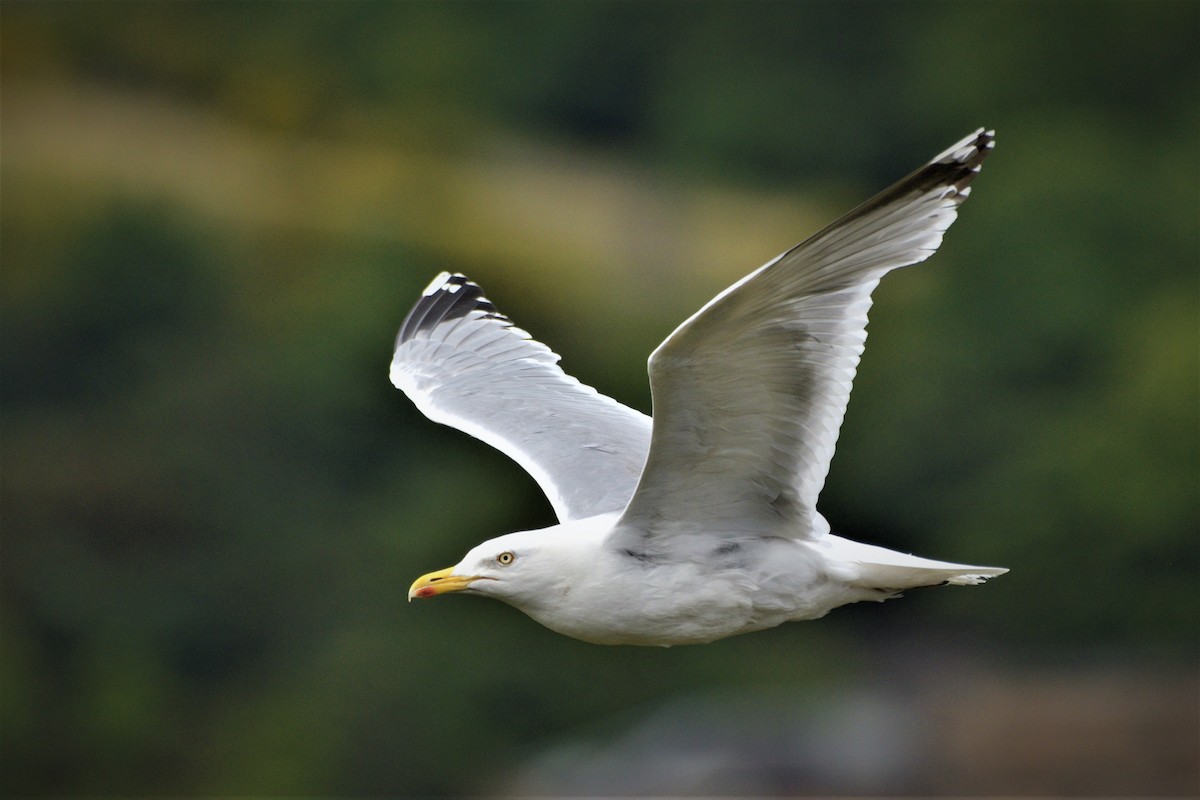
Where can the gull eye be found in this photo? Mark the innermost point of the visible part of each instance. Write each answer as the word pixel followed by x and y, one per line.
pixel 505 558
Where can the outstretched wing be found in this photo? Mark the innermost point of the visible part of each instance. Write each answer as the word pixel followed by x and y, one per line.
pixel 465 364
pixel 749 393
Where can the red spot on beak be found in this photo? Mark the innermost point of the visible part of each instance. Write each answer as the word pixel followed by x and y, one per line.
pixel 426 591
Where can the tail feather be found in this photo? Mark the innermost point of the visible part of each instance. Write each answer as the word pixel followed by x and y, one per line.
pixel 880 568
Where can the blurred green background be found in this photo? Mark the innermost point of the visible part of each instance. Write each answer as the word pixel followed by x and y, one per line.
pixel 215 216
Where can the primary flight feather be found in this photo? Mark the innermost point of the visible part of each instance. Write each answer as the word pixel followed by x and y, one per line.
pixel 700 523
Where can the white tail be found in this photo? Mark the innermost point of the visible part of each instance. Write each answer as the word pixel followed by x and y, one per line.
pixel 880 568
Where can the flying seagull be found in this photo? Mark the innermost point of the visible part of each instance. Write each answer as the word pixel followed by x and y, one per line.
pixel 701 523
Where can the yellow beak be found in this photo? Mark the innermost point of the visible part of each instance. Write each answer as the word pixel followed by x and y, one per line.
pixel 439 582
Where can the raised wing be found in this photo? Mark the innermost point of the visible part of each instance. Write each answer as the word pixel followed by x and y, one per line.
pixel 749 393
pixel 465 364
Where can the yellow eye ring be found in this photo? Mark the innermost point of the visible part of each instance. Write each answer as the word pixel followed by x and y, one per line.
pixel 505 558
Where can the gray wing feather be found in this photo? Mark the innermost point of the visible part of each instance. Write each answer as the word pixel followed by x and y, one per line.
pixel 750 392
pixel 464 364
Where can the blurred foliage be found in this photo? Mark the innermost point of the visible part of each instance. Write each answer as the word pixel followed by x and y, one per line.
pixel 213 502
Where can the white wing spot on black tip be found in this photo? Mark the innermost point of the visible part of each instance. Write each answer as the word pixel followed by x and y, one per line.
pixel 447 297
pixel 436 284
pixel 952 171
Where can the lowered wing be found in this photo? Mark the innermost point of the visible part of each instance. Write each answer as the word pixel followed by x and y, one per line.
pixel 464 364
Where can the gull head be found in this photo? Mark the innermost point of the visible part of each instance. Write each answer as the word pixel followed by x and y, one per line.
pixel 526 569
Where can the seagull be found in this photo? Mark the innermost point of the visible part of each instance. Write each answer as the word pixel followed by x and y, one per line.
pixel 700 523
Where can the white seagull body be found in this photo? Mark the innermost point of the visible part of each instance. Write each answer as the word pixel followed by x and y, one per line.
pixel 700 523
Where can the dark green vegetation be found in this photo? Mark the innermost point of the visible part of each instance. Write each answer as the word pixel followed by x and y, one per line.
pixel 215 217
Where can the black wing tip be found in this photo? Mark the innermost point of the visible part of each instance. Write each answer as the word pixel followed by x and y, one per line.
pixel 448 296
pixel 959 164
pixel 950 171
